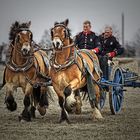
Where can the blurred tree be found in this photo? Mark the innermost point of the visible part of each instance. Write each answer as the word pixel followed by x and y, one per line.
pixel 116 32
pixel 45 42
pixel 3 52
pixel 136 43
pixel 130 50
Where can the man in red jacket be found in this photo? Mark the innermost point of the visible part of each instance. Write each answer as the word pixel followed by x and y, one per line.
pixel 87 39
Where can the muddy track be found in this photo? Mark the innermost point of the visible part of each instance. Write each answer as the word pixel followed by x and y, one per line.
pixel 123 126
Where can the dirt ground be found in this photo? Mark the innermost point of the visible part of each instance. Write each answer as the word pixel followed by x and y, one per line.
pixel 123 126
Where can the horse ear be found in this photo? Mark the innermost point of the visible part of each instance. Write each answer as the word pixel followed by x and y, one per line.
pixel 29 24
pixel 66 22
pixel 56 23
pixel 51 33
pixel 16 24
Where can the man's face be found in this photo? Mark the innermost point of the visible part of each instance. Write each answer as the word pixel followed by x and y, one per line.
pixel 86 27
pixel 107 33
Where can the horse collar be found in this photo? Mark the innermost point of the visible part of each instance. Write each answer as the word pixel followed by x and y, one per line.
pixel 14 67
pixel 70 61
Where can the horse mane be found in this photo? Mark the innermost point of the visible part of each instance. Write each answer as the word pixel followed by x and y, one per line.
pixel 16 28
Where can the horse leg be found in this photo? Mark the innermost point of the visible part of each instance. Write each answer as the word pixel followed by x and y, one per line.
pixel 26 113
pixel 64 114
pixel 43 102
pixel 32 102
pixel 33 107
pixel 78 102
pixel 35 98
pixel 94 104
pixel 74 106
pixel 62 100
pixel 9 99
pixel 72 100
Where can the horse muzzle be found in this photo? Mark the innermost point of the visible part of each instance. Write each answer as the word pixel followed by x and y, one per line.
pixel 57 43
pixel 25 50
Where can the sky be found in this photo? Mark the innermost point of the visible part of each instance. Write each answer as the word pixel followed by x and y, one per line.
pixel 43 14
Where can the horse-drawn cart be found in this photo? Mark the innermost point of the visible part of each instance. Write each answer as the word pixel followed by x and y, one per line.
pixel 118 79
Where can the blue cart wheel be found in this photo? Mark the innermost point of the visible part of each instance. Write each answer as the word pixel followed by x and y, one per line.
pixel 116 92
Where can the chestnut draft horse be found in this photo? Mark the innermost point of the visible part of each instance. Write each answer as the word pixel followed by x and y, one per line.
pixel 71 70
pixel 27 69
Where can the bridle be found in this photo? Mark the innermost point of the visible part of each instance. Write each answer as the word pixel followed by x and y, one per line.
pixel 67 34
pixel 72 56
pixel 30 58
pixel 16 39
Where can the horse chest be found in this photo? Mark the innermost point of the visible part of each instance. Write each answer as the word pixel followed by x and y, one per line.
pixel 22 80
pixel 58 78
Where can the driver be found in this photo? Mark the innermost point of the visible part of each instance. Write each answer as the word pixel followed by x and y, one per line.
pixel 110 48
pixel 87 38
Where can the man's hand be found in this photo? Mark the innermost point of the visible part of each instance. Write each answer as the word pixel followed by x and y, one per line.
pixel 110 63
pixel 96 50
pixel 111 54
pixel 108 55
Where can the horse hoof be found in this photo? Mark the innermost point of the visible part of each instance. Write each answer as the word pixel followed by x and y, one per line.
pixel 23 119
pixel 33 112
pixel 78 111
pixel 26 115
pixel 10 103
pixel 19 118
pixel 69 109
pixel 42 110
pixel 68 121
pixel 97 114
pixel 64 120
pixel 11 106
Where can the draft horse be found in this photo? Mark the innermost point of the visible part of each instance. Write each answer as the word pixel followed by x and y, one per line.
pixel 69 73
pixel 28 69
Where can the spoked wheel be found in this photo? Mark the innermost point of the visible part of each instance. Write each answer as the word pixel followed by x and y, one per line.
pixel 116 92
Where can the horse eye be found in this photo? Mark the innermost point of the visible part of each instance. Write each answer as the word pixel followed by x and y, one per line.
pixel 18 38
pixel 65 32
pixel 52 33
pixel 31 36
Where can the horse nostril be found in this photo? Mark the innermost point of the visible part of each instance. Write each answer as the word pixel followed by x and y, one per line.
pixel 53 44
pixel 25 50
pixel 57 44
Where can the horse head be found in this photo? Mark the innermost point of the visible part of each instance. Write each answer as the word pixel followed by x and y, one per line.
pixel 60 34
pixel 21 37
